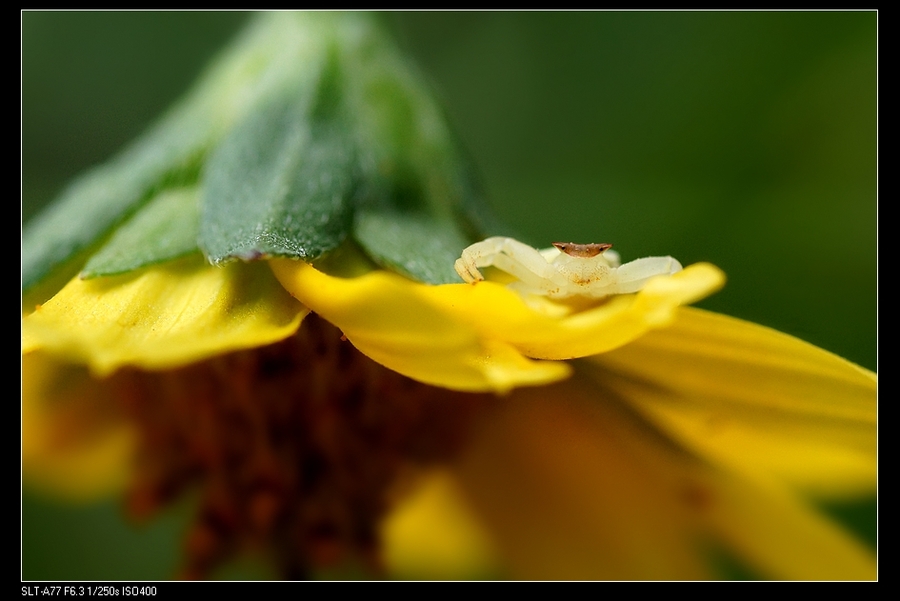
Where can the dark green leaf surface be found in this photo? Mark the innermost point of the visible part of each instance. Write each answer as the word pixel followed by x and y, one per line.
pixel 367 132
pixel 166 228
pixel 279 185
pixel 415 245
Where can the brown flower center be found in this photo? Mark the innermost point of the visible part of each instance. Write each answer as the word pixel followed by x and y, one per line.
pixel 295 449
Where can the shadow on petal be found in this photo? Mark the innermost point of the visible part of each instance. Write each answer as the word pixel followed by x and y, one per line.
pixel 573 487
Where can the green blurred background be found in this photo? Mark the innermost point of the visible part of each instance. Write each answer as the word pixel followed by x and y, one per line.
pixel 748 139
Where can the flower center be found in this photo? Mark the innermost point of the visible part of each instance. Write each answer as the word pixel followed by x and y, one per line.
pixel 296 449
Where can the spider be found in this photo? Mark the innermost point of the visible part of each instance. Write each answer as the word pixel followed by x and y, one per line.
pixel 564 270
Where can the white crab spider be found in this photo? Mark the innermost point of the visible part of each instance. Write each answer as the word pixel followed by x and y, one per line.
pixel 564 270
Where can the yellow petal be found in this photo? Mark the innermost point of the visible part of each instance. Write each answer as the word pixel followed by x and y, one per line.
pixel 575 484
pixel 75 443
pixel 476 337
pixel 163 316
pixel 755 399
pixel 397 323
pixel 432 535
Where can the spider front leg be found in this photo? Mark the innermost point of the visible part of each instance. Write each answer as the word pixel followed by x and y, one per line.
pixel 631 277
pixel 507 254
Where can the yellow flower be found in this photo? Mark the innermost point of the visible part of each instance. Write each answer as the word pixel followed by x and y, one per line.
pixel 251 308
pixel 681 433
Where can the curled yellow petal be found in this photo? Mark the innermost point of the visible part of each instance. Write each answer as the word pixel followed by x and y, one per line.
pixel 76 444
pixel 480 337
pixel 397 323
pixel 501 314
pixel 163 316
pixel 756 399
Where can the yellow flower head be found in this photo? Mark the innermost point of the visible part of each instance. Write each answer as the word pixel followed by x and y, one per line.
pixel 253 309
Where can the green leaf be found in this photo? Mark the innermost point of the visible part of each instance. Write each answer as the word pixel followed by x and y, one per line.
pixel 416 245
pixel 164 229
pixel 281 183
pixel 307 117
pixel 410 154
pixel 420 205
pixel 272 53
pixel 103 197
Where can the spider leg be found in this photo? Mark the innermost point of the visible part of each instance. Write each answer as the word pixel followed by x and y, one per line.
pixel 473 257
pixel 632 276
pixel 507 254
pixel 534 277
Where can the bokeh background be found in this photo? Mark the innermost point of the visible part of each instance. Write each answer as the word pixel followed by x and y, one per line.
pixel 748 139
